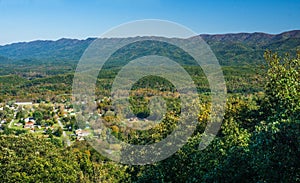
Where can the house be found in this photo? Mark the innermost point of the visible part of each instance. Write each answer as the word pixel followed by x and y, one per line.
pixel 29 119
pixel 29 125
pixel 133 119
pixel 23 103
pixel 81 134
pixel 85 133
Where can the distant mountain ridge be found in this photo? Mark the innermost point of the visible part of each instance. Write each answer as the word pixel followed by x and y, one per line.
pixel 248 48
pixel 68 49
pixel 246 37
pixel 230 49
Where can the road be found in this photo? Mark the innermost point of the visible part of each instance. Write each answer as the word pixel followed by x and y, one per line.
pixel 12 121
pixel 66 138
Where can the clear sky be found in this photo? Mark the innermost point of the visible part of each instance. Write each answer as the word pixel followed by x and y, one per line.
pixel 26 20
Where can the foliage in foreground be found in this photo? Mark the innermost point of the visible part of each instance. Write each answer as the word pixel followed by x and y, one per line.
pixel 258 142
pixel 27 158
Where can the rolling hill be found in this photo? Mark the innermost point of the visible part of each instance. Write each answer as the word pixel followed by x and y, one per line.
pixel 230 49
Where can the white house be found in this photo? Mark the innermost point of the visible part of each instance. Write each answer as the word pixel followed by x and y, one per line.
pixel 29 119
pixel 23 103
pixel 81 134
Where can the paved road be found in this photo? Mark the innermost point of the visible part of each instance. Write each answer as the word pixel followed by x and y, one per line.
pixel 66 138
pixel 12 121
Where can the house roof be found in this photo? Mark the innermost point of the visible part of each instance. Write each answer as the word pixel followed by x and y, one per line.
pixel 81 132
pixel 29 123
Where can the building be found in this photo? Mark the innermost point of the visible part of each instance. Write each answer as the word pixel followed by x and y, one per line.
pixel 23 103
pixel 81 134
pixel 29 119
pixel 29 125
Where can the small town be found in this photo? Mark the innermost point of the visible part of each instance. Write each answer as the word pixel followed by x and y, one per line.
pixel 42 119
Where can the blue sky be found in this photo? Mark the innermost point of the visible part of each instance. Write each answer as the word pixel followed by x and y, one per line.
pixel 26 20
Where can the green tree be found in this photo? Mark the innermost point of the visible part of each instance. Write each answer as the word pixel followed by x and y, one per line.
pixel 275 148
pixel 20 114
pixel 58 132
pixel 38 115
pixel 283 85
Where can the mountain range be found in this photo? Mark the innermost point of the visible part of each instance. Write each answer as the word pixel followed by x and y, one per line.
pixel 230 49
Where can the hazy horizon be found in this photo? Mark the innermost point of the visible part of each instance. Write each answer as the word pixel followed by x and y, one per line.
pixel 57 39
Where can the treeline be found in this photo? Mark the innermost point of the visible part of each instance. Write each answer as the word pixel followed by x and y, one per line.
pixel 14 87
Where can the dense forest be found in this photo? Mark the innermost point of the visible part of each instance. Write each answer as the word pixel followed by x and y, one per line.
pixel 258 140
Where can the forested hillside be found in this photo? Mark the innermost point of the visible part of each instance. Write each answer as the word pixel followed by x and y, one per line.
pixel 231 49
pixel 258 140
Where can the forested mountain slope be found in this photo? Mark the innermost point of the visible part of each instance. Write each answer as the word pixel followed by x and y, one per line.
pixel 230 49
